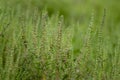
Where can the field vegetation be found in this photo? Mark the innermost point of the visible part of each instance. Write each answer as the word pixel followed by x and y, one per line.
pixel 59 40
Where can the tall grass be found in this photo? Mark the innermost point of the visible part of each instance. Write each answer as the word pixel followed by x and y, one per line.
pixel 34 46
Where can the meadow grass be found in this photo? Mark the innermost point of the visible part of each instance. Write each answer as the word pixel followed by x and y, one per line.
pixel 34 46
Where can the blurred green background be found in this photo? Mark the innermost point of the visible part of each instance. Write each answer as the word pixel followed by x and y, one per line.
pixel 77 9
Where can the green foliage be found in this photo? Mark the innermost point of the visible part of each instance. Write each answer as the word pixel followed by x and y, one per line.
pixel 37 46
